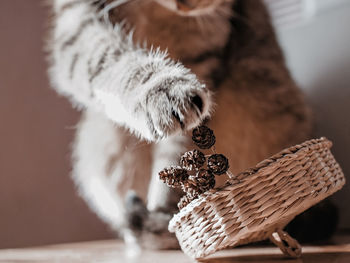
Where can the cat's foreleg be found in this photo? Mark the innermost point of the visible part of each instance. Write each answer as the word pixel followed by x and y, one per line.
pixel 99 66
pixel 96 148
pixel 165 153
pixel 151 228
pixel 108 163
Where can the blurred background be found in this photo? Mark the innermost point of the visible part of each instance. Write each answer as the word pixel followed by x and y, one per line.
pixel 38 203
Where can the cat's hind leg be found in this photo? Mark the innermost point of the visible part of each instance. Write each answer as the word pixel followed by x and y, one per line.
pixel 165 153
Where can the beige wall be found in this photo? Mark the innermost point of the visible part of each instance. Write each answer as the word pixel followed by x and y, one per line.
pixel 38 204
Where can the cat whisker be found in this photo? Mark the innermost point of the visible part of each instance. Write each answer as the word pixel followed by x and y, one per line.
pixel 106 9
pixel 177 117
pixel 98 3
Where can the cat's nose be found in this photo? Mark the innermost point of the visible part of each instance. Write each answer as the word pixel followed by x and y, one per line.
pixel 184 5
pixel 198 102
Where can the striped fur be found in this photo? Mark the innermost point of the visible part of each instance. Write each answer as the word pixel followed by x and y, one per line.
pixel 99 67
pixel 129 91
pixel 94 62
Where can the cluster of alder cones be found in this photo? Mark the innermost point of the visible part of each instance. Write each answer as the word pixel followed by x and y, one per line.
pixel 196 173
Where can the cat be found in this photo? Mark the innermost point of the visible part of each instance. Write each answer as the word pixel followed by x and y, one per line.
pixel 144 73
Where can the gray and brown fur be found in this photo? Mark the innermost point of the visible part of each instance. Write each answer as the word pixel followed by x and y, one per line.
pixel 258 110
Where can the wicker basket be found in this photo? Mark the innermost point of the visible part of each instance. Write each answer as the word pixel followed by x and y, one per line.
pixel 259 202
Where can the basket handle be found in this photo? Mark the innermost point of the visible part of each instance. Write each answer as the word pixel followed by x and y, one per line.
pixel 288 245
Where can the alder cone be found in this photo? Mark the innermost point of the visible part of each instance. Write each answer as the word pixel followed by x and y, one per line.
pixel 185 200
pixel 173 176
pixel 218 164
pixel 197 184
pixel 203 137
pixel 192 160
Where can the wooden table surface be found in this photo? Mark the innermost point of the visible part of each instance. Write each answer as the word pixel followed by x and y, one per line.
pixel 111 251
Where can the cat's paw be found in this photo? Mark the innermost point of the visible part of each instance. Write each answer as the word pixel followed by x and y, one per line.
pixel 154 101
pixel 147 229
pixel 174 105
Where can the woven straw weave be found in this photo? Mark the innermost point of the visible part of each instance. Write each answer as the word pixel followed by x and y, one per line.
pixel 259 202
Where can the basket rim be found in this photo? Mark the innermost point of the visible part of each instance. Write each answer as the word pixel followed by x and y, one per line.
pixel 290 150
pixel 283 158
pixel 322 141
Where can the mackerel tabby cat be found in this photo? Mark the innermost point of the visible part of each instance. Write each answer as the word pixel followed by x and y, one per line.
pixel 143 73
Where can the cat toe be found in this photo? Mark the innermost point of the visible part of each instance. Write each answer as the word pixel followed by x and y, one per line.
pixel 198 103
pixel 136 212
pixel 177 107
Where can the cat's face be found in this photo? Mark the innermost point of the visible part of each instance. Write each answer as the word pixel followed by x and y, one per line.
pixel 193 7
